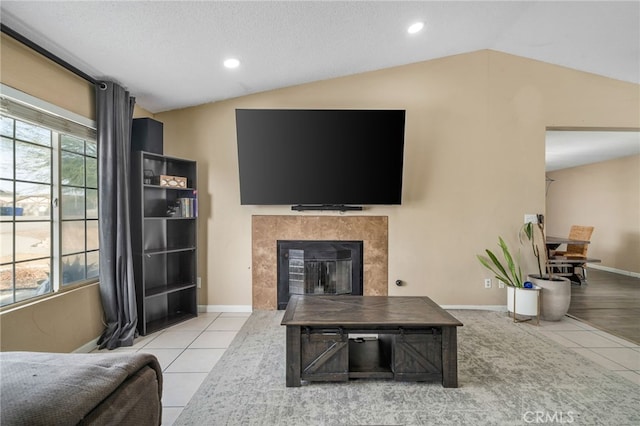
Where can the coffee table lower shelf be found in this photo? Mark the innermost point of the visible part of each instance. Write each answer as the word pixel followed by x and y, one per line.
pixel 322 355
pixel 368 360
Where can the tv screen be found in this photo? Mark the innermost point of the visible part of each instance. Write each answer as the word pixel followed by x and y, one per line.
pixel 320 157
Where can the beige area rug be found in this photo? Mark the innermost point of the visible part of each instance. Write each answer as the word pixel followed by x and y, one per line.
pixel 509 374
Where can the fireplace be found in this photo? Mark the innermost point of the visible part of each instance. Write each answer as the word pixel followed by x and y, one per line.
pixel 267 230
pixel 318 267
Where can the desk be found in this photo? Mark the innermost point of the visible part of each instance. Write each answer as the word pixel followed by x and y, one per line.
pixel 416 339
pixel 555 242
pixel 571 262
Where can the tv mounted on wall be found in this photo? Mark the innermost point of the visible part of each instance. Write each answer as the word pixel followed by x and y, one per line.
pixel 320 159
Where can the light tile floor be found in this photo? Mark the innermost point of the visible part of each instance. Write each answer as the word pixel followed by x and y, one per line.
pixel 188 351
pixel 611 352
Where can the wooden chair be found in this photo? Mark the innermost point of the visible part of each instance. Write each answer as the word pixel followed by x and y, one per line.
pixel 578 232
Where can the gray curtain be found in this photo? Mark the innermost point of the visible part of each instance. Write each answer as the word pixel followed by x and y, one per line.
pixel 114 110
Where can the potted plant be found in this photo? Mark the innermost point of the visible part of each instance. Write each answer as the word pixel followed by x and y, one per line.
pixel 522 298
pixel 556 297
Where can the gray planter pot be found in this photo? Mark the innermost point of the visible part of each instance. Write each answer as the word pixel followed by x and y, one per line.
pixel 555 297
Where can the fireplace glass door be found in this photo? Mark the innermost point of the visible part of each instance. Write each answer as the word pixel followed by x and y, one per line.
pixel 318 267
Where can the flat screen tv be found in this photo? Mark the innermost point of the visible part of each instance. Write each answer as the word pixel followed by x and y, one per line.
pixel 320 157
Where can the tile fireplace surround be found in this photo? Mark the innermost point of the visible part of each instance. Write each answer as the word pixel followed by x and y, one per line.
pixel 267 230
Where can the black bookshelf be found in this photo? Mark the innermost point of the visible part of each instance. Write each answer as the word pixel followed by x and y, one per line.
pixel 164 240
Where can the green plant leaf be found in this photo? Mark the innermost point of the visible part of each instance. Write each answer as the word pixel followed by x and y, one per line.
pixel 501 274
pixel 525 231
pixel 510 272
pixel 516 274
pixel 496 262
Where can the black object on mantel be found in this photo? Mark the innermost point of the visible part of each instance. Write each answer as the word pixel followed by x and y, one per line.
pixel 146 135
pixel 335 207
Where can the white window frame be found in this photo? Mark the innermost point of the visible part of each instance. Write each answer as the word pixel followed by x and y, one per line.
pixel 24 107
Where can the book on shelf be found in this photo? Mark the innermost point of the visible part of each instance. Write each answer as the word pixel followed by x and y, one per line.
pixel 188 207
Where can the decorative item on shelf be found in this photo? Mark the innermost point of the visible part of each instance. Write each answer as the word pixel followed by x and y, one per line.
pixel 149 176
pixel 173 181
pixel 173 209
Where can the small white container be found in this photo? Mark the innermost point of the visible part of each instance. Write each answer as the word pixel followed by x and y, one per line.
pixel 525 300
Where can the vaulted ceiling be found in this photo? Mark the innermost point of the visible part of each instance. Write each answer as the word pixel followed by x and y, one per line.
pixel 170 54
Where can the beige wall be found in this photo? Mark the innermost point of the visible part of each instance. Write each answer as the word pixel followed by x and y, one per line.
pixel 474 164
pixel 60 323
pixel 605 195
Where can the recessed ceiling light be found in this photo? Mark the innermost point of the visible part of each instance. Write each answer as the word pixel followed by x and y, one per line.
pixel 232 63
pixel 414 28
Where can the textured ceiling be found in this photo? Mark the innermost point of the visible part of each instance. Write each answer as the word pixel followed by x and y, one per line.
pixel 169 54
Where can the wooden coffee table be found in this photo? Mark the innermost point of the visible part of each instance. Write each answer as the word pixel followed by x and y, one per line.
pixel 400 338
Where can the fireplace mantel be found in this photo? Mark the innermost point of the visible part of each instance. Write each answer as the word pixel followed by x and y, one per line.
pixel 267 230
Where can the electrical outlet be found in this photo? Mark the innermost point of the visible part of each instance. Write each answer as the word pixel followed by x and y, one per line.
pixel 500 284
pixel 533 218
pixel 199 282
pixel 487 283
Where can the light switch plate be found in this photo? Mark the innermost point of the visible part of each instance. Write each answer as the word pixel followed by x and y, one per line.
pixel 533 218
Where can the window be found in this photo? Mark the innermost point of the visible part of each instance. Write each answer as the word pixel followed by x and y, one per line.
pixel 48 201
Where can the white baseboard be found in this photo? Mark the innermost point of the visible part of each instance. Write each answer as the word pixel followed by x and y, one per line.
pixel 498 308
pixel 614 270
pixel 87 347
pixel 225 308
